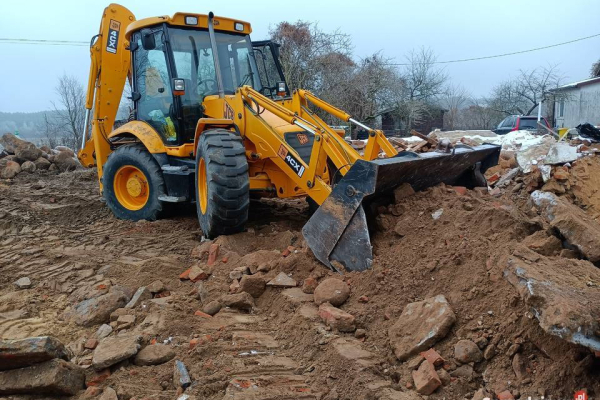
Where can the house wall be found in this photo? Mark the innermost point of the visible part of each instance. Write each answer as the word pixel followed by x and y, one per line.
pixel 582 105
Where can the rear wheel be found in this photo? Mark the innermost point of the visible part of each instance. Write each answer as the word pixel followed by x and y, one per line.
pixel 222 183
pixel 132 182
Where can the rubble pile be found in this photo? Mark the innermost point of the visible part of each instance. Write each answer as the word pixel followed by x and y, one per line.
pixel 17 155
pixel 473 293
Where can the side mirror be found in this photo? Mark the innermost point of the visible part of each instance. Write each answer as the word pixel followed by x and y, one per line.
pixel 148 42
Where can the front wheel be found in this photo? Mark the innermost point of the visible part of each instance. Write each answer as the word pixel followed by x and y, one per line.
pixel 132 183
pixel 222 183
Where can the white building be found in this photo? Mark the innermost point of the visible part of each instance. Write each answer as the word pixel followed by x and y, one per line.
pixel 577 103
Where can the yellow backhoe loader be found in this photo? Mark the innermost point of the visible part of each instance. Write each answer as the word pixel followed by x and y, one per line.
pixel 214 121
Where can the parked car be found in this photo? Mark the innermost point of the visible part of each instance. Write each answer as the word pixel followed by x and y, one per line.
pixel 518 123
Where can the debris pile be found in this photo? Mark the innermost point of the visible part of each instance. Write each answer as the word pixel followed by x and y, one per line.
pixel 473 293
pixel 17 155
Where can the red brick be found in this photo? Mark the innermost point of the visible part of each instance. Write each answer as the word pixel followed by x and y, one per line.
pixel 363 299
pixel 560 174
pixel 309 285
pixel 213 253
pixel 505 395
pixel 426 379
pixel 433 357
pixel 597 354
pixel 153 341
pixel 336 318
pixel 185 274
pixel 101 287
pixel 193 343
pixel 91 344
pixel 202 314
pixel 289 250
pixel 225 259
pixel 494 178
pixel 461 190
pixel 97 377
pixel 198 274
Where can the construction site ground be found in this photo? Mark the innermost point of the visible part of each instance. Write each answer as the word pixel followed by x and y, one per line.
pixel 56 230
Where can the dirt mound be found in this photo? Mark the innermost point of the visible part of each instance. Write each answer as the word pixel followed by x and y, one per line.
pixel 443 241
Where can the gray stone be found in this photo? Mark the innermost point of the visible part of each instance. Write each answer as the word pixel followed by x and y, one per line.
pixel 104 331
pixel 154 354
pixel 28 166
pixel 420 326
pixel 54 377
pixel 23 283
pixel 64 161
pixel 212 308
pixel 282 280
pixel 181 377
pixel 561 153
pixel 33 350
pixel 112 350
pixel 465 351
pixel 96 310
pixel 42 164
pixel 140 295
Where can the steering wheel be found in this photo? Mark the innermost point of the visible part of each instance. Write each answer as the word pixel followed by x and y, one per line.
pixel 208 91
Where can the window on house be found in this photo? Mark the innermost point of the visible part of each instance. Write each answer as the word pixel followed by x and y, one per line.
pixel 561 108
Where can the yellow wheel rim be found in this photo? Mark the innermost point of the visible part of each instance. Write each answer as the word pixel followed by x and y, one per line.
pixel 131 187
pixel 202 186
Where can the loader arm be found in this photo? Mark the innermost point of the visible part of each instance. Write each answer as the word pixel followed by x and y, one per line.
pixel 110 64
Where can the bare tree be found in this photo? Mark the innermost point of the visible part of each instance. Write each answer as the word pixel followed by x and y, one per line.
pixel 595 70
pixel 65 124
pixel 453 99
pixel 522 95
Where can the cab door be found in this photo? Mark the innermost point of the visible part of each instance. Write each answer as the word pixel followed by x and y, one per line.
pixel 266 54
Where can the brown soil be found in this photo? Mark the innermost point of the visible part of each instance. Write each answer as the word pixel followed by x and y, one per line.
pixel 55 229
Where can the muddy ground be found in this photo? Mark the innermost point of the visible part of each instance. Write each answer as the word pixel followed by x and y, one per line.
pixel 56 230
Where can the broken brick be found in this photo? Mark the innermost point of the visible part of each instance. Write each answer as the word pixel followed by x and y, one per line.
pixel 336 318
pixel 433 357
pixel 461 190
pixel 97 377
pixel 494 178
pixel 363 299
pixel 505 395
pixel 213 253
pixel 426 379
pixel 202 314
pixel 185 274
pixel 91 344
pixel 198 274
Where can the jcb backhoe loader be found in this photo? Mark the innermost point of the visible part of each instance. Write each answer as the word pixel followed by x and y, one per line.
pixel 214 120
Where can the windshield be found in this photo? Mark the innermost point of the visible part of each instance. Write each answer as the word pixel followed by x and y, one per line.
pixel 193 56
pixel 528 123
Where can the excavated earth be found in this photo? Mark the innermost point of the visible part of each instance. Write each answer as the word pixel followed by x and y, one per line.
pixel 56 230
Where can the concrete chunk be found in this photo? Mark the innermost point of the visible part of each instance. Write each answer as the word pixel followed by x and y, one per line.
pixel 140 295
pixel 112 350
pixel 33 350
pixel 57 377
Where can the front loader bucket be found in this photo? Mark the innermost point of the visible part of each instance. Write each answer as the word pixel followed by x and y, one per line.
pixel 337 232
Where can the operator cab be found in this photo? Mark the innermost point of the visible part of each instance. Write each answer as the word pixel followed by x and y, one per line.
pixel 175 68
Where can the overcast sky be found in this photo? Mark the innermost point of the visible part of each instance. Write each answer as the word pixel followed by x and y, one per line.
pixel 453 29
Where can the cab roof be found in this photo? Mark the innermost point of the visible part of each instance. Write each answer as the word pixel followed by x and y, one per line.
pixel 179 19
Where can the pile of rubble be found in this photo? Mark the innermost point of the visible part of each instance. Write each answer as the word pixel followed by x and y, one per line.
pixel 17 155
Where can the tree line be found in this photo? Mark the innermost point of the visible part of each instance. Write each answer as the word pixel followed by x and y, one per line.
pixel 324 63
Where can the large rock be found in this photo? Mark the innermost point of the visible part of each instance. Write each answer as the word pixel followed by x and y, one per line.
pixel 65 161
pixel 28 152
pixel 28 166
pixel 420 326
pixel 54 377
pixel 96 310
pixel 557 291
pixel 33 350
pixel 10 170
pixel 42 164
pixel 112 350
pixel 10 142
pixel 154 354
pixel 574 224
pixel 332 291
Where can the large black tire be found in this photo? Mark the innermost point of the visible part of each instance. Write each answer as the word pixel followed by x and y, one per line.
pixel 222 169
pixel 138 157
